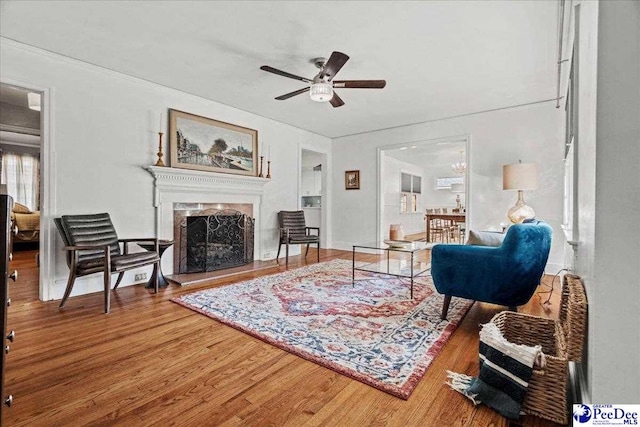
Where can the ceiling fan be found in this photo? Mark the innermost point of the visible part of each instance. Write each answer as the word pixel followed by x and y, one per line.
pixel 321 87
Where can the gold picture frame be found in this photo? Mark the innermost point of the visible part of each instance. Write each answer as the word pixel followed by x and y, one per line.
pixel 205 144
pixel 352 180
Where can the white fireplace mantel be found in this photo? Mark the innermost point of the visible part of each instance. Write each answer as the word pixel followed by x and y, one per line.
pixel 173 185
pixel 167 179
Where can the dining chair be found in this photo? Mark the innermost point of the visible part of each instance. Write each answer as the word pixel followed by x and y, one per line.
pixel 439 229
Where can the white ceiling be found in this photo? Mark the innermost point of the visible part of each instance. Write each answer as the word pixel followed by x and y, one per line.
pixel 441 154
pixel 440 58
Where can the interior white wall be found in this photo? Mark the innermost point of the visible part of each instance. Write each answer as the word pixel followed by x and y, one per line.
pixel 412 222
pixel 434 198
pixel 609 195
pixel 104 129
pixel 533 133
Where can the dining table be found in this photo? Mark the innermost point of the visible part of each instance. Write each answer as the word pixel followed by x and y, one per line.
pixel 452 217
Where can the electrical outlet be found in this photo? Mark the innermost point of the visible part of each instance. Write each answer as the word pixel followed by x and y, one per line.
pixel 140 277
pixel 267 255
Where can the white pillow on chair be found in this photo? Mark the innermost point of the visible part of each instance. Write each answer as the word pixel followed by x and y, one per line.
pixel 485 238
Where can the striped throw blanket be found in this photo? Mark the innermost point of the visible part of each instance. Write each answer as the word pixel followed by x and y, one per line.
pixel 505 371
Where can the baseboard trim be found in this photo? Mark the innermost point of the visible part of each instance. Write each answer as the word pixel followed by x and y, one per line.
pixel 552 268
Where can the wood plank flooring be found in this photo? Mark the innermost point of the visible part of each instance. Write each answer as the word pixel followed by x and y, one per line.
pixel 153 362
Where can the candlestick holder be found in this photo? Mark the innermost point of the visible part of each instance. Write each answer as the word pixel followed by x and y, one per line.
pixel 160 153
pixel 268 169
pixel 260 174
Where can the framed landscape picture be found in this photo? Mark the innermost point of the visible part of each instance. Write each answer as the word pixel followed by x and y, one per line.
pixel 352 180
pixel 205 144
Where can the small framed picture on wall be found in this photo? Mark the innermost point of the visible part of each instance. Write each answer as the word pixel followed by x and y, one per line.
pixel 352 180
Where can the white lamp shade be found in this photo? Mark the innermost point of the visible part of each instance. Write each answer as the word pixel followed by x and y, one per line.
pixel 520 176
pixel 457 188
pixel 34 101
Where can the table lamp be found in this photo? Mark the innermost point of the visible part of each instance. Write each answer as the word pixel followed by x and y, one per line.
pixel 457 188
pixel 520 176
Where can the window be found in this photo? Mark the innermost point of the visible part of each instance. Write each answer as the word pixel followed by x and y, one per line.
pixel 410 187
pixel 21 173
pixel 570 205
pixel 417 183
pixel 403 202
pixel 444 183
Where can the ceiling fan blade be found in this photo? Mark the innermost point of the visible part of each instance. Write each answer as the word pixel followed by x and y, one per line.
pixel 334 64
pixel 291 94
pixel 336 101
pixel 360 84
pixel 284 73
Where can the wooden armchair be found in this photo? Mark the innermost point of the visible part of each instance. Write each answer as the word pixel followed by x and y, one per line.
pixel 293 231
pixel 93 246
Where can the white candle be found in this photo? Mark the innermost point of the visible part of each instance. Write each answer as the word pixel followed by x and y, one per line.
pixel 269 156
pixel 160 123
pixel 261 148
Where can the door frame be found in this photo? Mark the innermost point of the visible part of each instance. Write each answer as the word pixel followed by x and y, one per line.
pixel 380 233
pixel 47 186
pixel 324 192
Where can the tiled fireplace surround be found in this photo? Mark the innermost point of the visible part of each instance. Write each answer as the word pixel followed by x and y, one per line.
pixel 172 185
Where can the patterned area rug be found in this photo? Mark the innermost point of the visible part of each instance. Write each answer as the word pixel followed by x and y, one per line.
pixel 371 332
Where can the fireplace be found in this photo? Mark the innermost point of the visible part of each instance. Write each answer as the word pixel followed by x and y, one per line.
pixel 195 192
pixel 214 241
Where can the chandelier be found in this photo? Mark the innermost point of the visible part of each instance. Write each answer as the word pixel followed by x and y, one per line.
pixel 460 167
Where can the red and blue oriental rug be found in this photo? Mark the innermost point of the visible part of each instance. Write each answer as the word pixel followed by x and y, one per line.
pixel 372 332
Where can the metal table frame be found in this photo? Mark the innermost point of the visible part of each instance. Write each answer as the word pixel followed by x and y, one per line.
pixel 412 250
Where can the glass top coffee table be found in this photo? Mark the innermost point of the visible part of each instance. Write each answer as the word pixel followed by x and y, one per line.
pixel 395 258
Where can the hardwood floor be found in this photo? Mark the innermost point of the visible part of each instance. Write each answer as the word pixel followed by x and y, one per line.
pixel 153 362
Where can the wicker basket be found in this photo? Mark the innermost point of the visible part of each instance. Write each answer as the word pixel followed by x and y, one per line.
pixel 561 341
pixel 573 315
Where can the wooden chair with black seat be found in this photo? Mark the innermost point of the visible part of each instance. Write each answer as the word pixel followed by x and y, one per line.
pixel 293 231
pixel 93 246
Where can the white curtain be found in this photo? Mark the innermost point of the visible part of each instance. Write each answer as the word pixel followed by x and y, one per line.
pixel 21 173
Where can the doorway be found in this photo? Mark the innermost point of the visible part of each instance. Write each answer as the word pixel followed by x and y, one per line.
pixel 20 176
pixel 418 176
pixel 313 166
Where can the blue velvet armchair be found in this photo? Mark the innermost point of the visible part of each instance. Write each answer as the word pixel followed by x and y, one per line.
pixel 506 275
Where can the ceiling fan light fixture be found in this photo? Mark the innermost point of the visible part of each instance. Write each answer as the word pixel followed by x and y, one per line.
pixel 321 86
pixel 321 92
